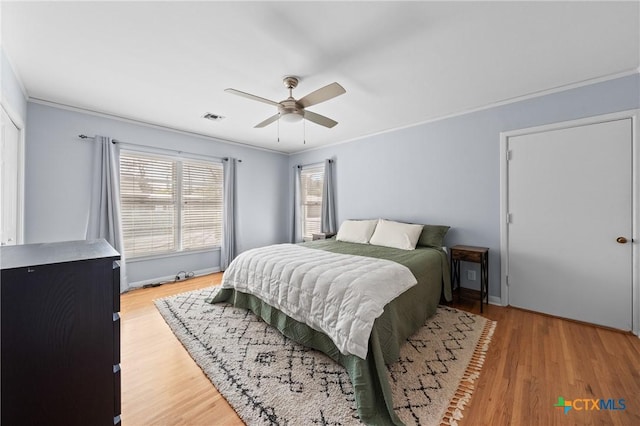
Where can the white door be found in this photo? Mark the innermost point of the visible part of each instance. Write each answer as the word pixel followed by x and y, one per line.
pixel 9 139
pixel 569 199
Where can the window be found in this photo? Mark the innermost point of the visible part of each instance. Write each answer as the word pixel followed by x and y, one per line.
pixel 169 205
pixel 311 183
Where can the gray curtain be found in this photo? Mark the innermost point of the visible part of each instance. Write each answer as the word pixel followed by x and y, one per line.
pixel 328 214
pixel 228 246
pixel 105 220
pixel 296 216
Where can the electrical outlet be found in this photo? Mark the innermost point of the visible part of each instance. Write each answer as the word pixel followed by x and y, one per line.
pixel 471 275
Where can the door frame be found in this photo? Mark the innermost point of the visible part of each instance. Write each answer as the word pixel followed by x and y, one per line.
pixel 20 125
pixel 634 115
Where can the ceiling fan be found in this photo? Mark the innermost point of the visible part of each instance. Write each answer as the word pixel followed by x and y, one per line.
pixel 291 109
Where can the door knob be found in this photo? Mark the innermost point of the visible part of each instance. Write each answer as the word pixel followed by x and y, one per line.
pixel 621 240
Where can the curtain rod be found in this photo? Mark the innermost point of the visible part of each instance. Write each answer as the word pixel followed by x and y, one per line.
pixel 114 141
pixel 312 164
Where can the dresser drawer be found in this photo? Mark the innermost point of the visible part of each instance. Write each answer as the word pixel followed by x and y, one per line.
pixel 116 286
pixel 116 386
pixel 116 339
pixel 466 256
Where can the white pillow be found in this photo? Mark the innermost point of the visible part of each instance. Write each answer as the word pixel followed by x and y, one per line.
pixel 356 231
pixel 395 234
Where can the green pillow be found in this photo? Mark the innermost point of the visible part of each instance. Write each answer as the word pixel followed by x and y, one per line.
pixel 433 235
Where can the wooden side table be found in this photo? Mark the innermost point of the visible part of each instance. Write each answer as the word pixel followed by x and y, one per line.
pixel 322 235
pixel 471 254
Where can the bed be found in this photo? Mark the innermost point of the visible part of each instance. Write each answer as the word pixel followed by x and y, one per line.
pixel 399 319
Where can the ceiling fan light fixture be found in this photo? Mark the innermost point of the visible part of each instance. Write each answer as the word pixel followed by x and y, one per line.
pixel 291 117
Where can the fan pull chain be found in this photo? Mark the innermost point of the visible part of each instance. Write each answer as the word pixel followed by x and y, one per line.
pixel 278 127
pixel 304 131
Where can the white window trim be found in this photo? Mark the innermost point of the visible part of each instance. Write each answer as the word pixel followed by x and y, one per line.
pixel 179 157
pixel 172 254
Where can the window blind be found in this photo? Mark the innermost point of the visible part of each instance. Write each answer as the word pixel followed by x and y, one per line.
pixel 311 182
pixel 169 205
pixel 148 202
pixel 202 204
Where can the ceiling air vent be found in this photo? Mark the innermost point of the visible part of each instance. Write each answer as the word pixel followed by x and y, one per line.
pixel 212 117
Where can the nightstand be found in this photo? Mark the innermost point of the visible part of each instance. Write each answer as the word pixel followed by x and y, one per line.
pixel 322 235
pixel 471 254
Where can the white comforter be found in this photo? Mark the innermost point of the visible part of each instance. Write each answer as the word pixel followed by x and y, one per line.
pixel 340 295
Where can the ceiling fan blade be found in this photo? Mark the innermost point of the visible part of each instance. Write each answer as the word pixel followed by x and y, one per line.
pixel 267 121
pixel 323 94
pixel 250 96
pixel 319 119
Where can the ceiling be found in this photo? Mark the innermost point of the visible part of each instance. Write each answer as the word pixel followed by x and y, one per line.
pixel 401 63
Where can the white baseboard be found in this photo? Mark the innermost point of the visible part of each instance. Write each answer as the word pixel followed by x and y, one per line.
pixel 171 278
pixel 495 300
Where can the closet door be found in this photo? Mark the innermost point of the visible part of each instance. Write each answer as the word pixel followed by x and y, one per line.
pixel 9 139
pixel 569 236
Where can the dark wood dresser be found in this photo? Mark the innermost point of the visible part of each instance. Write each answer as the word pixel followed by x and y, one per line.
pixel 60 341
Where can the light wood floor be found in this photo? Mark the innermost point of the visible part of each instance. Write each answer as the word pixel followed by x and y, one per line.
pixel 532 360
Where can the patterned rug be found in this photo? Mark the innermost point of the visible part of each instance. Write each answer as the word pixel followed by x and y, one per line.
pixel 270 380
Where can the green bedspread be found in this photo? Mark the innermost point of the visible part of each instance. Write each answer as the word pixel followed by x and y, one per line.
pixel 400 319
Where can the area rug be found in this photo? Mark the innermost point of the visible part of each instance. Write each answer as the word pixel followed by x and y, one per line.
pixel 271 380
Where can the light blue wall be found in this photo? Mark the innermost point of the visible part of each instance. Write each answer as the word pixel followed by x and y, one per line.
pixel 58 181
pixel 13 99
pixel 448 171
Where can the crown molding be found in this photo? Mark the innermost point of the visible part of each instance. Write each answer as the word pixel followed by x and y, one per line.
pixel 496 104
pixel 148 124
